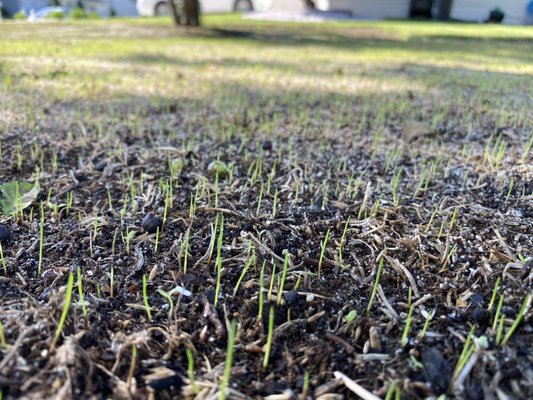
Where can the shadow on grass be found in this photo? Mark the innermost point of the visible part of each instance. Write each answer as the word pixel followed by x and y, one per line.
pixel 361 38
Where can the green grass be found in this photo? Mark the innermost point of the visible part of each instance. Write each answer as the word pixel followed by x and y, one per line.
pixel 81 59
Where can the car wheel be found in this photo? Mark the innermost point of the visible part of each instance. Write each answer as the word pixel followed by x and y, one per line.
pixel 161 8
pixel 243 6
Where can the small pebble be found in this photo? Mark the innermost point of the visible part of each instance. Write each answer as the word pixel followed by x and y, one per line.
pixel 291 297
pixel 5 234
pixel 476 300
pixel 150 223
pixel 478 314
pixel 267 145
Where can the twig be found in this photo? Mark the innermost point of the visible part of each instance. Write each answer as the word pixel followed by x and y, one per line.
pixel 355 387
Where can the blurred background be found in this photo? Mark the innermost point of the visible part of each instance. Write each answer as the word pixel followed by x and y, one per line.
pixel 496 11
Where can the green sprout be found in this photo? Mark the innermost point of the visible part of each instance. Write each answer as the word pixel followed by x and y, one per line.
pixel 190 370
pixel 82 299
pixel 409 320
pixel 283 277
pixel 3 341
pixel 145 299
pixel 376 284
pixel 251 260
pixel 229 360
pixel 323 251
pixel 3 259
pixel 523 310
pixel 494 293
pixel 66 306
pixel 341 243
pixel 111 281
pixel 41 241
pixel 269 337
pixel 168 297
pixel 468 349
pixel 261 291
pixel 218 261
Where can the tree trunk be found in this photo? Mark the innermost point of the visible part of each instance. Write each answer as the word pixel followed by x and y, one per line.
pixel 185 12
pixel 174 12
pixel 191 11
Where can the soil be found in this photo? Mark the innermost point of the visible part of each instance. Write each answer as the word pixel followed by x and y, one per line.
pixel 445 246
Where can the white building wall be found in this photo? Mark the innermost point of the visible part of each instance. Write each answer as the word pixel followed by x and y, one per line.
pixel 375 9
pixel 478 10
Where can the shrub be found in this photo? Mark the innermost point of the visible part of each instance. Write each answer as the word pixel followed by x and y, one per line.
pixel 20 15
pixel 56 15
pixel 78 13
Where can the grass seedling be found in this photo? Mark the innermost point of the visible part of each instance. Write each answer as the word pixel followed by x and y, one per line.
pixel 127 239
pixel 66 306
pixel 499 328
pixel 212 241
pixel 156 245
pixel 448 258
pixel 375 207
pixel 510 190
pixel 41 241
pixel 393 390
pixel 261 291
pixel 362 208
pixel 260 198
pixel 341 243
pixel 430 222
pixel 168 297
pixel 111 282
pixel 452 220
pixel 229 360
pixel 251 260
pixel 165 211
pixel 3 341
pixel 82 299
pixel 145 299
pixel 275 204
pixel 376 283
pixel 269 337
pixel 323 251
pixel 394 184
pixel 527 148
pixel 408 321
pixel 468 349
pixel 218 262
pixel 186 250
pixel 133 365
pixel 283 277
pixel 3 259
pixel 70 202
pixel 190 370
pixel 192 206
pixel 494 293
pixel 497 315
pixel 216 189
pixel 271 287
pixel 305 386
pixel 428 316
pixel 525 307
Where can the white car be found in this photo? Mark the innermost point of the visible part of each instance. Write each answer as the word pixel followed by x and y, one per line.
pixel 150 8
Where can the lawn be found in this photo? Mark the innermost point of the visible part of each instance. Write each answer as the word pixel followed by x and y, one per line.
pixel 265 209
